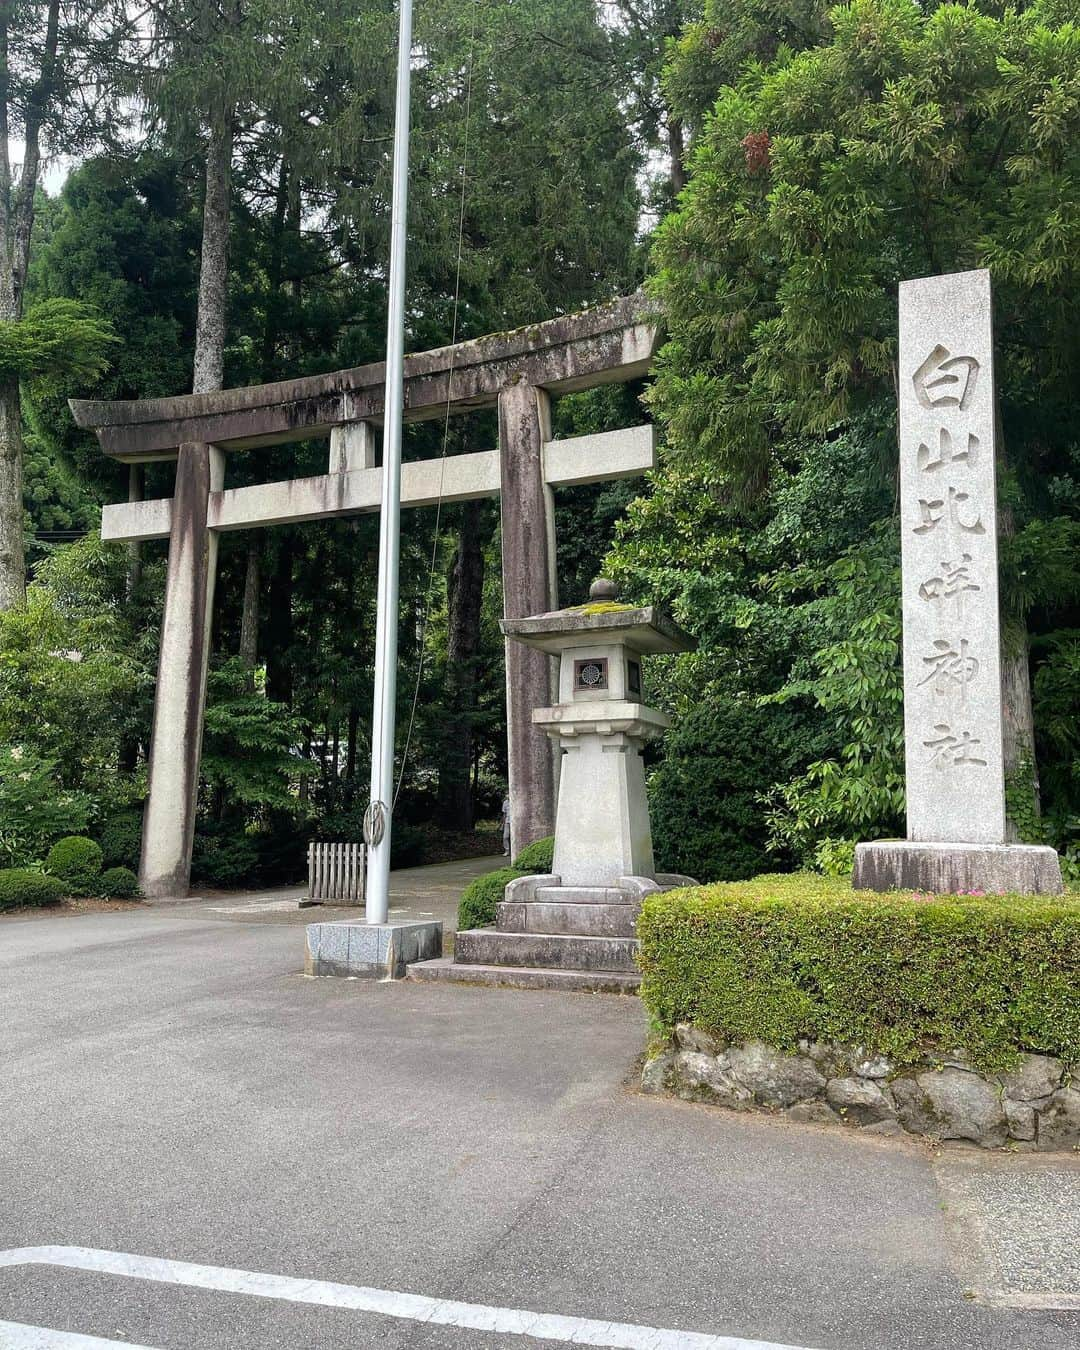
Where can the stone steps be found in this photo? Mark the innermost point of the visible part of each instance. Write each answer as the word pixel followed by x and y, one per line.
pixel 446 970
pixel 573 920
pixel 489 946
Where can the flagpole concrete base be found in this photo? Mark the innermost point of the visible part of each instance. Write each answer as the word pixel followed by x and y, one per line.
pixel 380 951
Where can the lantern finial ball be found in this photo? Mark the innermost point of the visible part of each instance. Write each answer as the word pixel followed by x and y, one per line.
pixel 603 589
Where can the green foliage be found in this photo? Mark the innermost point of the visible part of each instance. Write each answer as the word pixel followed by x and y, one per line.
pixel 74 676
pixel 857 681
pixel 19 888
pixel 35 808
pixel 121 840
pixel 714 49
pixel 223 858
pixel 476 908
pixel 118 883
pixel 539 856
pixel 408 845
pixel 838 150
pixel 76 862
pixel 704 796
pixel 790 711
pixel 907 141
pixel 249 753
pixel 784 957
pixel 835 857
pixel 60 345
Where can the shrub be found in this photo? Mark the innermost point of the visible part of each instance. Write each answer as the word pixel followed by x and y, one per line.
pixel 76 862
pixel 121 839
pixel 34 808
pixel 705 795
pixel 835 857
pixel 224 859
pixel 537 856
pixel 119 883
pixel 902 974
pixel 476 908
pixel 19 888
pixel 408 846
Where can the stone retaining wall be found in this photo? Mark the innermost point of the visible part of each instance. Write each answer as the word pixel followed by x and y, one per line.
pixel 1035 1106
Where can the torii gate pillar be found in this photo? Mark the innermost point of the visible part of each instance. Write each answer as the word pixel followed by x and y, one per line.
pixel 529 587
pixel 180 699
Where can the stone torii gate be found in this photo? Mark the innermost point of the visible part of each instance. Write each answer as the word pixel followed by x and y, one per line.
pixel 516 371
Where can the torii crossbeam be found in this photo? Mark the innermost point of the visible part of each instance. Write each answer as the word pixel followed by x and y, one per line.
pixel 517 372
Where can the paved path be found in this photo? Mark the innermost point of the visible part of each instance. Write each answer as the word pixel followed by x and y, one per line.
pixel 172 1088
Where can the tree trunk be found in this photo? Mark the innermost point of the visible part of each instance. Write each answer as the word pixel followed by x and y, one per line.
pixel 12 553
pixel 272 324
pixel 1017 715
pixel 465 590
pixel 280 626
pixel 16 226
pixel 214 264
pixel 351 747
pixel 136 493
pixel 249 616
pixel 676 150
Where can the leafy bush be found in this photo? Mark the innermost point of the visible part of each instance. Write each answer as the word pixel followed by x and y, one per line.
pixel 476 908
pixel 835 857
pixel 19 888
pixel 704 796
pixel 281 847
pixel 118 883
pixel 537 856
pixel 224 859
pixel 408 845
pixel 76 862
pixel 121 840
pixel 34 808
pixel 784 957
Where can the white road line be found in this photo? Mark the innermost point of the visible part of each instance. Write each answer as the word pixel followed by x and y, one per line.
pixel 16 1336
pixel 384 1302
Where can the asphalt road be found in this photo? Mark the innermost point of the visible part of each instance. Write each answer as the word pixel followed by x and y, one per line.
pixel 172 1087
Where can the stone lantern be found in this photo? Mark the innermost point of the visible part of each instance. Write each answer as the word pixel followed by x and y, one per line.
pixel 582 917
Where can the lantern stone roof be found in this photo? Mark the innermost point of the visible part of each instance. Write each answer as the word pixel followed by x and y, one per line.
pixel 644 628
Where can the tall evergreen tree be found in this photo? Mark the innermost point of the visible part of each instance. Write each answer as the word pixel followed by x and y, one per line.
pixel 58 95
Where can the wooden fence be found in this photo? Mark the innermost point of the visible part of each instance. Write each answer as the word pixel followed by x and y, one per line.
pixel 336 872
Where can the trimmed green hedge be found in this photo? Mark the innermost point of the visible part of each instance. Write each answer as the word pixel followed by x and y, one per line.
pixel 120 840
pixel 537 856
pixel 118 883
pixel 476 908
pixel 784 957
pixel 76 862
pixel 19 888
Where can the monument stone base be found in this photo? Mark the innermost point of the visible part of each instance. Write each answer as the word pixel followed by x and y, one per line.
pixel 380 951
pixel 952 869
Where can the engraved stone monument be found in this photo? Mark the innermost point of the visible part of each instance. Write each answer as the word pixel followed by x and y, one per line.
pixel 952 645
pixel 576 926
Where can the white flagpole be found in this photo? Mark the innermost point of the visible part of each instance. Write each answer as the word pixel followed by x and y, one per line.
pixel 383 718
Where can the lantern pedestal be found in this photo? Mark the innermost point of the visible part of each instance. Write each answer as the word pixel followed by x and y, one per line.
pixel 582 918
